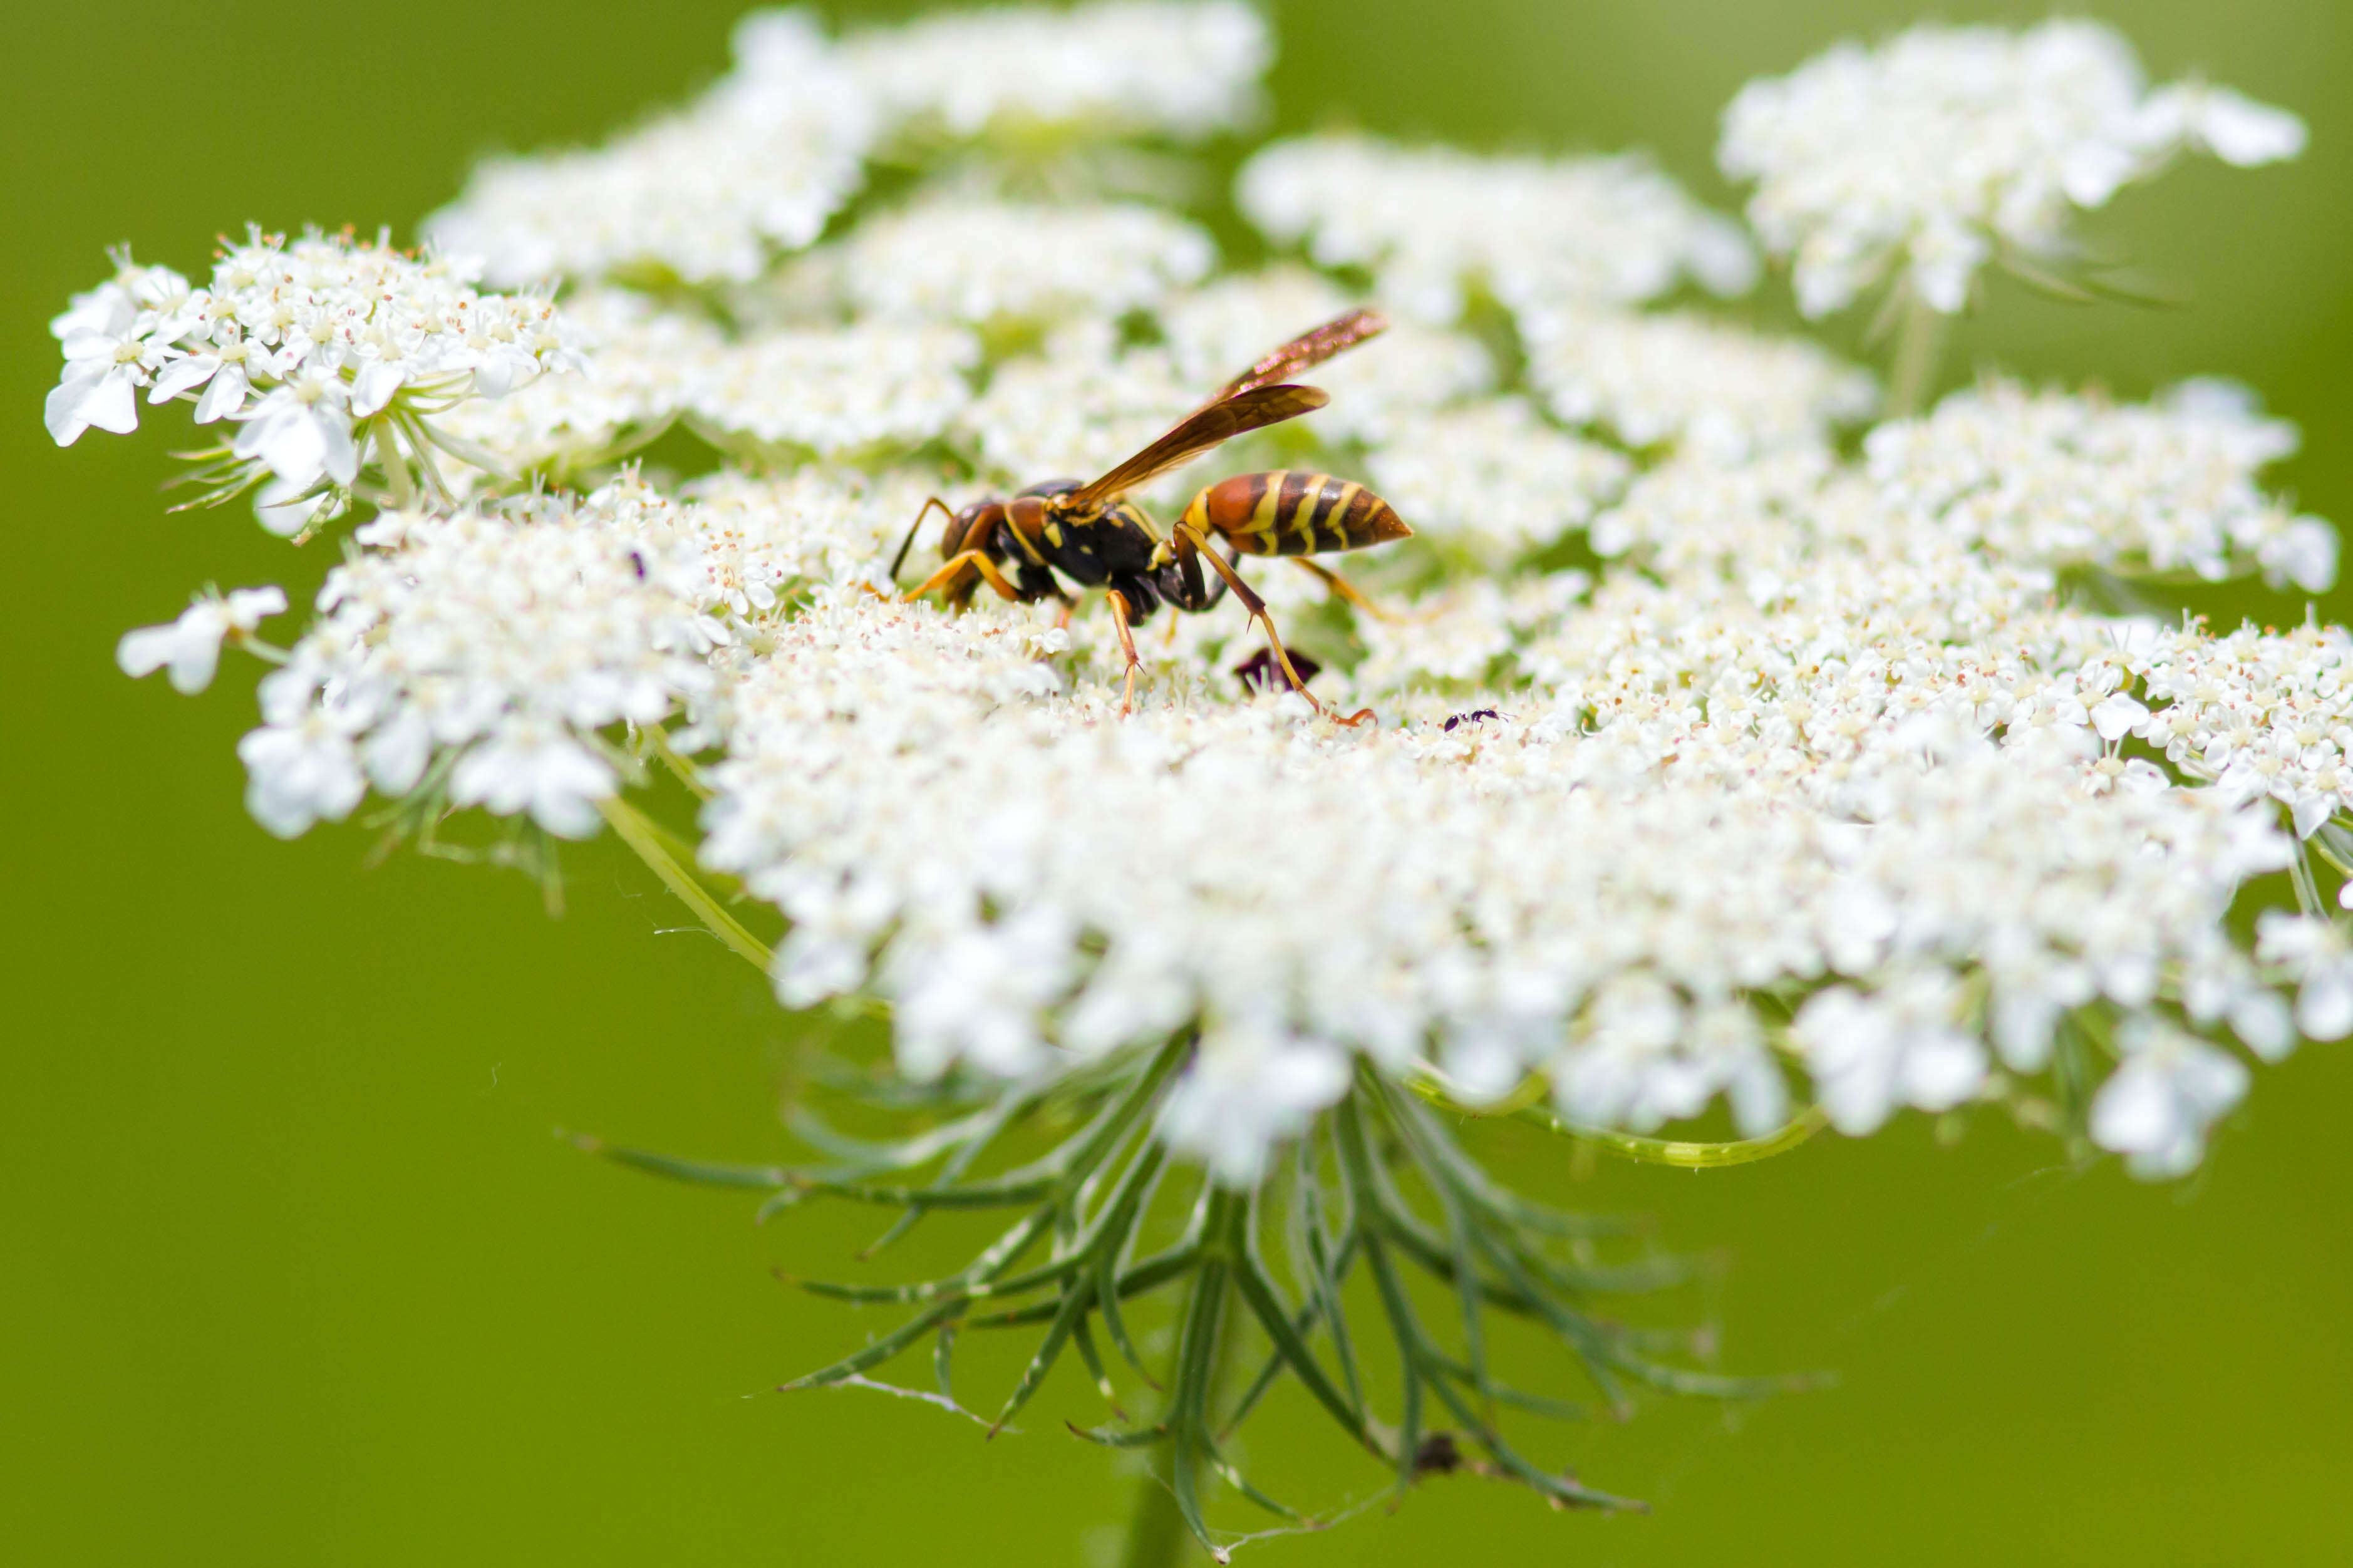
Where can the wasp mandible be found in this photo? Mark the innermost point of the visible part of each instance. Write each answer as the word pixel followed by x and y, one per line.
pixel 1092 535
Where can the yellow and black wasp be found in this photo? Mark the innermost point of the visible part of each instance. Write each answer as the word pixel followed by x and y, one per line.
pixel 1092 535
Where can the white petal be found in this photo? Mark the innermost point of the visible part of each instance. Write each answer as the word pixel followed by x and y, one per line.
pixel 2260 1019
pixel 2310 812
pixel 224 395
pixel 108 400
pixel 1942 1071
pixel 2135 1111
pixel 248 607
pixel 375 386
pixel 289 441
pixel 180 375
pixel 2241 131
pixel 2324 1008
pixel 147 649
pixel 343 459
pixel 2116 717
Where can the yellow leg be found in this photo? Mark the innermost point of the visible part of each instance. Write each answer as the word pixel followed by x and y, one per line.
pixel 1119 620
pixel 954 568
pixel 1345 589
pixel 1189 537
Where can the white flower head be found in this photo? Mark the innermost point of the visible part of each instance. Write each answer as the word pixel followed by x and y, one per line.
pixel 2320 957
pixel 838 391
pixel 761 161
pixel 1117 68
pixel 2071 480
pixel 505 642
pixel 1430 224
pixel 1495 478
pixel 975 262
pixel 1681 378
pixel 323 353
pixel 1922 159
pixel 1820 788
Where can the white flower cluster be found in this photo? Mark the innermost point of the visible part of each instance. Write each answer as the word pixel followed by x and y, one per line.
pixel 1627 907
pixel 762 162
pixel 308 349
pixel 1918 161
pixel 1495 478
pixel 1076 409
pixel 649 364
pixel 1129 68
pixel 980 261
pixel 1679 378
pixel 763 159
pixel 1430 224
pixel 2066 480
pixel 2260 713
pixel 837 390
pixel 829 390
pixel 1821 791
pixel 478 654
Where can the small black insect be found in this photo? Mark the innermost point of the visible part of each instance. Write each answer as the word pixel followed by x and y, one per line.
pixel 1439 1455
pixel 1260 669
pixel 1472 717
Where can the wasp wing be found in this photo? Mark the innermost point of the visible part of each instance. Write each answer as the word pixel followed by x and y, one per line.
pixel 1251 410
pixel 1251 401
pixel 1305 351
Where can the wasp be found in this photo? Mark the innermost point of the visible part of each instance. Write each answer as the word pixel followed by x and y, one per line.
pixel 1093 535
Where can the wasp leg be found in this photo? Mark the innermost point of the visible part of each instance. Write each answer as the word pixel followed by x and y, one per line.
pixel 1189 539
pixel 1205 598
pixel 901 559
pixel 1119 620
pixel 948 574
pixel 1348 590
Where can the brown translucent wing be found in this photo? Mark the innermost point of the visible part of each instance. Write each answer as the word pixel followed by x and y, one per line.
pixel 1305 351
pixel 1251 410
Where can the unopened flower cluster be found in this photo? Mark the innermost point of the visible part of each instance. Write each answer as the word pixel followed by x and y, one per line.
pixel 1826 789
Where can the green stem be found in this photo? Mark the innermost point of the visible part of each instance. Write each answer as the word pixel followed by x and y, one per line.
pixel 1919 343
pixel 1688 1155
pixel 1524 1104
pixel 1156 1531
pixel 395 467
pixel 1159 1526
pixel 642 834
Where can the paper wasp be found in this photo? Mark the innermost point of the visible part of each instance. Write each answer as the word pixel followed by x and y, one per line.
pixel 1092 535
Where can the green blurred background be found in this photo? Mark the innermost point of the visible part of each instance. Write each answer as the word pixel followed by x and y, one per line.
pixel 297 1274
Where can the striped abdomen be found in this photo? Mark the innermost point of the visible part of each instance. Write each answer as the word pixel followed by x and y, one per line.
pixel 1287 513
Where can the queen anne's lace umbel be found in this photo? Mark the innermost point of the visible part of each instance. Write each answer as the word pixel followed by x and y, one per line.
pixel 1828 789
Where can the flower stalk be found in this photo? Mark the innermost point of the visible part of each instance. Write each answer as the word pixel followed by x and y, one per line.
pixel 1920 333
